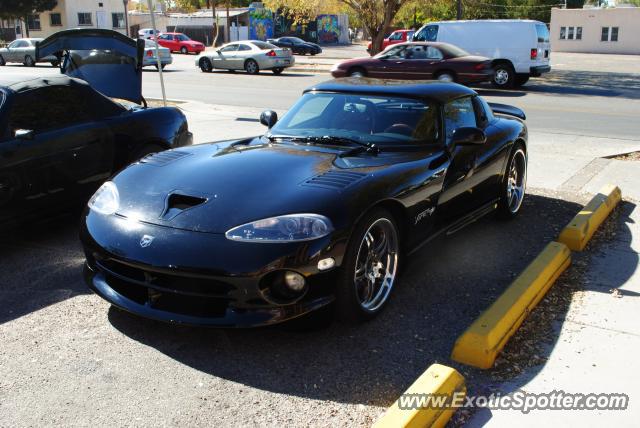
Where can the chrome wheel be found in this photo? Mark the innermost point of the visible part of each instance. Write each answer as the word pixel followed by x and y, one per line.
pixel 445 77
pixel 376 265
pixel 501 76
pixel 251 67
pixel 516 181
pixel 28 61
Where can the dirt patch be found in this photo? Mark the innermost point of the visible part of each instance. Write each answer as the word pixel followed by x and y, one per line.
pixel 633 156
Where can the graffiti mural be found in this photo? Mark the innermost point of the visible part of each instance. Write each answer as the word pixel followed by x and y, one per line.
pixel 328 29
pixel 260 24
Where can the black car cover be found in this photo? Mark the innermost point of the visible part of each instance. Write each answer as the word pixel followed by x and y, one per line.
pixel 109 61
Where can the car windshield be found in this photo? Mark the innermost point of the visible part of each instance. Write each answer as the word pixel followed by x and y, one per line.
pixel 378 119
pixel 454 51
pixel 296 40
pixel 149 43
pixel 182 38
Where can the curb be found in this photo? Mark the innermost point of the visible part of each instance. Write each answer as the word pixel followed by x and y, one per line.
pixel 579 231
pixel 308 70
pixel 481 343
pixel 436 381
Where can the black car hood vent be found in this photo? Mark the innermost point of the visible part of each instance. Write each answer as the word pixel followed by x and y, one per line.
pixel 177 203
pixel 334 179
pixel 163 158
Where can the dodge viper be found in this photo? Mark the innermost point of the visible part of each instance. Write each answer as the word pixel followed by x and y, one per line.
pixel 60 138
pixel 320 211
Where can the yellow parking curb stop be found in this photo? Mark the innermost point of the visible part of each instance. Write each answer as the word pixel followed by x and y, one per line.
pixel 577 233
pixel 420 405
pixel 480 344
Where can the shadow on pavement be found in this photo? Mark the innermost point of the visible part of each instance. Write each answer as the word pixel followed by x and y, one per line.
pixel 443 289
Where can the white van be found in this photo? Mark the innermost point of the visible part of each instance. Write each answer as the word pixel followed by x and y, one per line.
pixel 519 48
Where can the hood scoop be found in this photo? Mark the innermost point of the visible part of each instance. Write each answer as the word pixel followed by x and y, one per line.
pixel 336 180
pixel 177 203
pixel 163 158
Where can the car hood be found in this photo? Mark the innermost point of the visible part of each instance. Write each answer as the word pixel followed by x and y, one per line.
pixel 215 187
pixel 109 61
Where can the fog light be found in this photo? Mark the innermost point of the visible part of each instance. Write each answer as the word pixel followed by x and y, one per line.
pixel 294 281
pixel 325 264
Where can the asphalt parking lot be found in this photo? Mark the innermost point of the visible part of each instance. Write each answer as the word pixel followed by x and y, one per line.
pixel 68 358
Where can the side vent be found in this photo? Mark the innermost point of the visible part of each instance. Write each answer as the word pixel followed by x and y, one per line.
pixel 177 203
pixel 163 158
pixel 337 180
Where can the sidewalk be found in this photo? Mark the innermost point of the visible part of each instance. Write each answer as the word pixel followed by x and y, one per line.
pixel 596 350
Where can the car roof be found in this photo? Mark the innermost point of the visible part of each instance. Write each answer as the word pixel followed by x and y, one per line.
pixel 438 91
pixel 41 82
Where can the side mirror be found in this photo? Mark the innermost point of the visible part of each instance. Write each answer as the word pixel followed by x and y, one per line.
pixel 268 118
pixel 24 134
pixel 468 136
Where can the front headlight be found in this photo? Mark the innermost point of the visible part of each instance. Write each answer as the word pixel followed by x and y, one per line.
pixel 285 228
pixel 106 199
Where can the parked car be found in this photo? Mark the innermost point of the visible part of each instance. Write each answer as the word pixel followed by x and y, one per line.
pixel 398 36
pixel 61 137
pixel 519 48
pixel 420 61
pixel 320 210
pixel 297 45
pixel 178 42
pixel 249 55
pixel 24 51
pixel 150 58
pixel 148 33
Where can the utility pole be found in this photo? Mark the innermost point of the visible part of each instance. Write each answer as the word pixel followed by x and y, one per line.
pixel 126 16
pixel 459 14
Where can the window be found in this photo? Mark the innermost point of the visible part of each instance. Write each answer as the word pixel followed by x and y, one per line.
pixel 41 110
pixel 244 48
pixel 427 34
pixel 563 33
pixel 459 113
pixel 614 34
pixel 434 53
pixel 570 33
pixel 84 18
pixel 33 22
pixel 19 44
pixel 117 20
pixel 543 33
pixel 164 37
pixel 416 52
pixel 55 19
pixel 230 48
pixel 263 45
pixel 395 36
pixel 578 33
pixel 605 34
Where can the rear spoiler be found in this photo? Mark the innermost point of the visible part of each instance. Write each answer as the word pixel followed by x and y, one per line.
pixel 508 110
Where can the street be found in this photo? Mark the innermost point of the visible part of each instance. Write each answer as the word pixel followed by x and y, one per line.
pixel 68 358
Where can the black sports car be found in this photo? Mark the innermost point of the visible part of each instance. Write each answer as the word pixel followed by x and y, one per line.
pixel 321 209
pixel 297 45
pixel 60 138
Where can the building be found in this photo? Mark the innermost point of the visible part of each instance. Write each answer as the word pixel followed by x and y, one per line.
pixel 595 30
pixel 108 14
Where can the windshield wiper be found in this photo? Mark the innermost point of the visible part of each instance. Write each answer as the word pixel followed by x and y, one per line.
pixel 361 146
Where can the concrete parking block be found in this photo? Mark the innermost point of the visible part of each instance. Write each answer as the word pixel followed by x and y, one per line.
pixel 481 343
pixel 438 381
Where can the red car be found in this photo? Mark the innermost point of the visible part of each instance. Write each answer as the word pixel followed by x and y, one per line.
pixel 420 61
pixel 398 36
pixel 178 42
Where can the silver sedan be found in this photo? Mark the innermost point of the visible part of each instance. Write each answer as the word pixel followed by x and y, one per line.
pixel 24 51
pixel 149 58
pixel 249 55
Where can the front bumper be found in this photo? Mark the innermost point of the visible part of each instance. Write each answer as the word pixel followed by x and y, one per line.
pixel 538 70
pixel 200 278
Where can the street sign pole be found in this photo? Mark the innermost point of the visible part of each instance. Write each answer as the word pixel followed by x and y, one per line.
pixel 158 63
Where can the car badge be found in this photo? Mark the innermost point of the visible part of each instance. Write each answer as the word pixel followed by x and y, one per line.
pixel 146 240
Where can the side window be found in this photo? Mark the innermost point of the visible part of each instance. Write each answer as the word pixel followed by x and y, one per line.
pixel 395 36
pixel 230 48
pixel 434 53
pixel 244 48
pixel 42 110
pixel 416 52
pixel 396 52
pixel 459 113
pixel 427 34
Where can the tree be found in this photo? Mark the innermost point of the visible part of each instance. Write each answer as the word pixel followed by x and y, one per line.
pixel 21 9
pixel 377 17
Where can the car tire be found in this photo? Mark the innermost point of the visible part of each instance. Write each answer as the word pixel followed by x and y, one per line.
pixel 503 76
pixel 251 66
pixel 184 50
pixel 55 63
pixel 145 150
pixel 514 184
pixel 277 71
pixel 2 61
pixel 205 65
pixel 357 72
pixel 446 77
pixel 521 79
pixel 162 65
pixel 374 251
pixel 28 61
